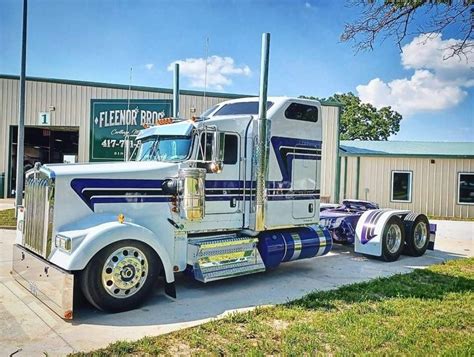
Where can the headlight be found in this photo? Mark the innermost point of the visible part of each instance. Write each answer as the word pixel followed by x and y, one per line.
pixel 63 243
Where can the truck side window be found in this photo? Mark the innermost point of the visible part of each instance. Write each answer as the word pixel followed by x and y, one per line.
pixel 302 112
pixel 231 149
pixel 207 146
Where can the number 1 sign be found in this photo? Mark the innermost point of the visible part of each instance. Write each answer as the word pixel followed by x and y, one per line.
pixel 43 118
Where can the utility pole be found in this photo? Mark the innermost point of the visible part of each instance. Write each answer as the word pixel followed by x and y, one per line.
pixel 20 151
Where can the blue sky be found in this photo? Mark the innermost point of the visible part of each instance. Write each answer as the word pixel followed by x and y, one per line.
pixel 100 41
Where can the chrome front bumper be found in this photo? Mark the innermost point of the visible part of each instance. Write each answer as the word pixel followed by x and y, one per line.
pixel 51 285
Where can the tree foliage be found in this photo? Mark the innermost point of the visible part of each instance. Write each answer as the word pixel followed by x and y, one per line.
pixel 362 120
pixel 395 19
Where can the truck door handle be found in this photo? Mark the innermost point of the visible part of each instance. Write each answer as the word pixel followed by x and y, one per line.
pixel 310 208
pixel 233 202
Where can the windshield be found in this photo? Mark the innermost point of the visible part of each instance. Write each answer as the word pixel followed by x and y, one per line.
pixel 241 108
pixel 164 148
pixel 208 111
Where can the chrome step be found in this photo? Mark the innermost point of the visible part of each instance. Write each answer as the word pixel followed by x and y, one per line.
pixel 222 257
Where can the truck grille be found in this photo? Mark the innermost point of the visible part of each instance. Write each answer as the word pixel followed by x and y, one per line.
pixel 39 208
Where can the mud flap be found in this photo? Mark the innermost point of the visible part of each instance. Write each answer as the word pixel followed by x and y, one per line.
pixel 170 289
pixel 433 228
pixel 53 286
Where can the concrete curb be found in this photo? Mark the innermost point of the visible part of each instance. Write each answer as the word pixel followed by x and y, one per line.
pixel 8 227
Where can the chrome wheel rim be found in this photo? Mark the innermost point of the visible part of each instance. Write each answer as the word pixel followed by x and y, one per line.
pixel 394 238
pixel 124 272
pixel 420 235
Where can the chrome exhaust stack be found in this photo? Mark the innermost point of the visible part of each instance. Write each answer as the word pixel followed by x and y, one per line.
pixel 263 135
pixel 176 91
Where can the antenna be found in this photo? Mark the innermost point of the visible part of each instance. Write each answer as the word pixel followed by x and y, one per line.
pixel 205 69
pixel 126 143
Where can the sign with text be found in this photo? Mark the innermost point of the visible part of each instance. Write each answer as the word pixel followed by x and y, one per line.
pixel 111 119
pixel 43 118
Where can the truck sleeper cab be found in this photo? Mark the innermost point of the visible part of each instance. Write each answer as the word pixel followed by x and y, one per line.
pixel 187 203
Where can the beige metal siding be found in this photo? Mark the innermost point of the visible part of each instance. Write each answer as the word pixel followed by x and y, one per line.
pixel 330 115
pixel 434 186
pixel 348 184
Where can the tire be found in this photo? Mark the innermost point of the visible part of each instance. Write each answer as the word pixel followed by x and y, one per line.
pixel 120 276
pixel 417 230
pixel 393 239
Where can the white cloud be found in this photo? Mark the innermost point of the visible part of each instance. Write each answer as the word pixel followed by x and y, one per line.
pixel 219 71
pixel 437 83
pixel 149 66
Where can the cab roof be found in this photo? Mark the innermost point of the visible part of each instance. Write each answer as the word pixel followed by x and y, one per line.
pixel 185 127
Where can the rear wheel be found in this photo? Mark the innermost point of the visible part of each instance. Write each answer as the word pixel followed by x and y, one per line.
pixel 120 276
pixel 417 230
pixel 393 238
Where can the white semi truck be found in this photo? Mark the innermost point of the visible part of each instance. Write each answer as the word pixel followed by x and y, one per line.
pixel 234 192
pixel 188 201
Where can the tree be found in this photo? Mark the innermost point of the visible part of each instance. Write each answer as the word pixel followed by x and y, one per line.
pixel 395 19
pixel 362 120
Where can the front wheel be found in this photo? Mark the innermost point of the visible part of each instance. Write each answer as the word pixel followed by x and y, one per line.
pixel 120 276
pixel 393 239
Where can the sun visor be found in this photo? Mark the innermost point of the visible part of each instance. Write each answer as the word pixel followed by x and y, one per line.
pixel 183 128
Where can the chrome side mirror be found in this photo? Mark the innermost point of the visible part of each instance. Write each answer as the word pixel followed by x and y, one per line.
pixel 217 163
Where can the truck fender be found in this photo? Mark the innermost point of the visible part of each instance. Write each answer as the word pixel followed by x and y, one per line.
pixel 369 230
pixel 102 235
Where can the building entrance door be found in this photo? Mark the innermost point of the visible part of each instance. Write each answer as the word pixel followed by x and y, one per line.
pixel 46 145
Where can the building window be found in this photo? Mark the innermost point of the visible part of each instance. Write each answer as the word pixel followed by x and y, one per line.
pixel 401 186
pixel 302 112
pixel 466 188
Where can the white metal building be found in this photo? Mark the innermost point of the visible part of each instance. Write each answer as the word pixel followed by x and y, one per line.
pixel 435 178
pixel 76 121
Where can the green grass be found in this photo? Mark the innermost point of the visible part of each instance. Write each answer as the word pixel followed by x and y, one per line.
pixel 426 312
pixel 7 218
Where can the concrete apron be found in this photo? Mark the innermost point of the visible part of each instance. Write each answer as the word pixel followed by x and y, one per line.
pixel 6 203
pixel 30 328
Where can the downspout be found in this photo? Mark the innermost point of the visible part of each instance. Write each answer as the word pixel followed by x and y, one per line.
pixel 176 91
pixel 358 177
pixel 262 137
pixel 337 179
pixel 345 178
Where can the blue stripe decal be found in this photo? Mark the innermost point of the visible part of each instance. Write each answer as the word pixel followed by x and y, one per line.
pixel 285 157
pixel 290 246
pixel 310 241
pixel 327 236
pixel 129 199
pixel 94 191
pixel 363 238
